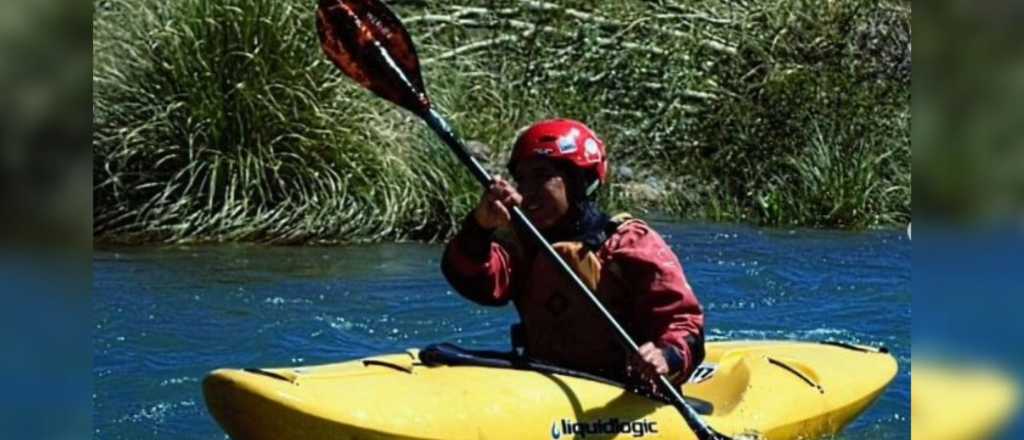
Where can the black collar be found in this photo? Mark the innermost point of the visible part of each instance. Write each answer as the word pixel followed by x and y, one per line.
pixel 588 225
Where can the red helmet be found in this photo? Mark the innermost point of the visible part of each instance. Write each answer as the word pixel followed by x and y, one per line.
pixel 566 140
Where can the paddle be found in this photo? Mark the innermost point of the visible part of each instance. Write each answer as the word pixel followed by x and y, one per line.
pixel 366 41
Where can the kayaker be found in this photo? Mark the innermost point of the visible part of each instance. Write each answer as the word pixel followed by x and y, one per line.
pixel 557 166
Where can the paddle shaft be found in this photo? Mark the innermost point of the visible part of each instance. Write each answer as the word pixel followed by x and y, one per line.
pixel 445 132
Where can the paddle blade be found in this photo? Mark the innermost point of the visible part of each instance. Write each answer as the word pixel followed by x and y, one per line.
pixel 366 41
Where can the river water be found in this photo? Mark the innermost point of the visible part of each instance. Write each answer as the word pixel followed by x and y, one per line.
pixel 164 317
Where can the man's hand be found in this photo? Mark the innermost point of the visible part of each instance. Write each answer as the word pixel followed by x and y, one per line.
pixel 650 362
pixel 493 211
pixel 647 365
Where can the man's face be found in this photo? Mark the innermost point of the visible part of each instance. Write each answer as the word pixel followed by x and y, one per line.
pixel 545 195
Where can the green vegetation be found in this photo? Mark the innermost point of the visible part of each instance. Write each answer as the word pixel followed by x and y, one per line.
pixel 223 121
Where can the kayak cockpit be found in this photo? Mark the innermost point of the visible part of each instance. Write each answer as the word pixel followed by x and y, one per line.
pixel 453 356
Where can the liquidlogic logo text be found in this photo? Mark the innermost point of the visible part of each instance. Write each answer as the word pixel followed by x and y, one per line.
pixel 613 426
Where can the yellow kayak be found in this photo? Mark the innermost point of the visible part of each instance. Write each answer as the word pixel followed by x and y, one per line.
pixel 760 389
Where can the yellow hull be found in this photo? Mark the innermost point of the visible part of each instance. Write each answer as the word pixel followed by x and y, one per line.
pixel 774 390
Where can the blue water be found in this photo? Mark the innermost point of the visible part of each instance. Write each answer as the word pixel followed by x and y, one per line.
pixel 165 317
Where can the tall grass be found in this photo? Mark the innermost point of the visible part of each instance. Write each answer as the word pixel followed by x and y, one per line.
pixel 221 120
pixel 837 185
pixel 814 128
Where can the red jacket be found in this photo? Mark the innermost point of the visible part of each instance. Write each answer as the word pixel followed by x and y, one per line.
pixel 660 307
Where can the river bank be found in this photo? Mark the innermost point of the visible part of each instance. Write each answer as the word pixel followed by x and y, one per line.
pixel 222 121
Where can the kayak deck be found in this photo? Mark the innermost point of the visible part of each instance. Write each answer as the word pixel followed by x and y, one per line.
pixel 776 390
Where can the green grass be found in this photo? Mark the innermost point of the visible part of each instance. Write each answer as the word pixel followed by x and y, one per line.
pixel 223 121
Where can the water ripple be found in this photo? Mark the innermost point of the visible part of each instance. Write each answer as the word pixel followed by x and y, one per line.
pixel 165 317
